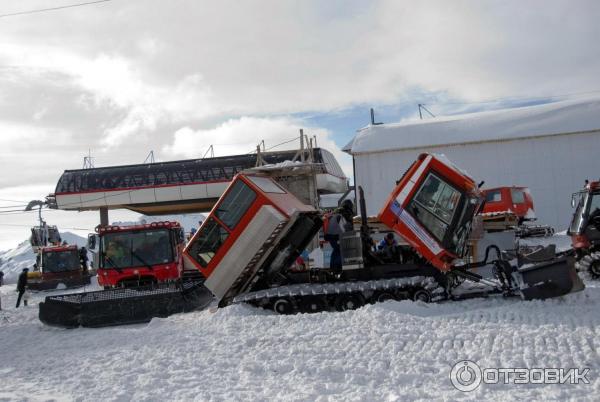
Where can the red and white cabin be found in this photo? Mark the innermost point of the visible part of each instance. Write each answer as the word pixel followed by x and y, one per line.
pixel 432 208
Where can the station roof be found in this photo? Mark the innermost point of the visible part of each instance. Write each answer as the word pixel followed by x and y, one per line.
pixel 550 119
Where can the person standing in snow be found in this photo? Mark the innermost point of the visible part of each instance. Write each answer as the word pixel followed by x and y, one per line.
pixel 22 286
pixel 83 259
pixel 338 223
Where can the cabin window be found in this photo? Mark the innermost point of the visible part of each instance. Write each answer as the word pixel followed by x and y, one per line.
pixel 493 196
pixel 518 196
pixel 236 203
pixel 435 205
pixel 208 241
pixel 137 249
pixel 266 185
pixel 61 261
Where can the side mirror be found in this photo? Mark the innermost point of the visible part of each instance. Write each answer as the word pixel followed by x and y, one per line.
pixel 92 241
pixel 573 201
pixel 181 236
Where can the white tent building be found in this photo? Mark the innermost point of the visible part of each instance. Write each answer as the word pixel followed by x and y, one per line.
pixel 549 148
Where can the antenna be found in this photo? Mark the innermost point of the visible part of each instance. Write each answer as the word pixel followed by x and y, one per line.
pixel 88 161
pixel 373 118
pixel 149 158
pixel 211 150
pixel 422 106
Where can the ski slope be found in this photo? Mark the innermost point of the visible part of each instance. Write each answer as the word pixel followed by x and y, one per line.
pixel 386 352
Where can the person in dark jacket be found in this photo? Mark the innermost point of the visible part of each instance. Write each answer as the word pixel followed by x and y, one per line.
pixel 83 259
pixel 22 286
pixel 339 222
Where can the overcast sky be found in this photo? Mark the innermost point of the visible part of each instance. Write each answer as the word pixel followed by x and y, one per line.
pixel 124 77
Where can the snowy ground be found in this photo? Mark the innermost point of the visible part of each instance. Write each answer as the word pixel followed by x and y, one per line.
pixel 391 351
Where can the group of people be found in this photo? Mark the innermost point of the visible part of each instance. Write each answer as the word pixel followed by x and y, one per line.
pixel 339 222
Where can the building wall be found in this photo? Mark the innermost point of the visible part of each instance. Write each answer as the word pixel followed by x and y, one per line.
pixel 552 167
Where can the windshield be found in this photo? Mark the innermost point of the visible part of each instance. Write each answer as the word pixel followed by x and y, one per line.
pixel 459 239
pixel 517 195
pixel 135 249
pixel 60 261
pixel 207 242
pixel 435 205
pixel 587 207
pixel 493 196
pixel 235 204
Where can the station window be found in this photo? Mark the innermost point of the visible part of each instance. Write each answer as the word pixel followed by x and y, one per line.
pixel 235 204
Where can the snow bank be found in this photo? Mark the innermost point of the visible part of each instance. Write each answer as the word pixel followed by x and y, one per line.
pixel 388 352
pixel 549 119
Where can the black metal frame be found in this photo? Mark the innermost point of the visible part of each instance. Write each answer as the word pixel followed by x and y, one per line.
pixel 124 305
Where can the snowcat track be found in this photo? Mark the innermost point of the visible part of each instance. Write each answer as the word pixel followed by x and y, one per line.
pixel 123 306
pixel 525 231
pixel 366 289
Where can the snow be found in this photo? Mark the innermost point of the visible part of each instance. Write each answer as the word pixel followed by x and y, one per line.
pixel 541 120
pixel 387 352
pixel 284 164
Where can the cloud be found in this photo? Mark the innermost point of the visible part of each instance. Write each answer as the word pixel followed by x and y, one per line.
pixel 123 78
pixel 146 67
pixel 242 135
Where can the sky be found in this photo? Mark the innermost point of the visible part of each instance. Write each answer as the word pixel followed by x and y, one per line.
pixel 121 78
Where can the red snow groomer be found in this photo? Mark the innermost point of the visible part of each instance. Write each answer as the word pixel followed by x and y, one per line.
pixel 246 247
pixel 585 228
pixel 516 200
pixel 255 224
pixel 58 265
pixel 139 255
pixel 511 208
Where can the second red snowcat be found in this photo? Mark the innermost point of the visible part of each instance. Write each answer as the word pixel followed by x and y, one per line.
pixel 56 266
pixel 139 255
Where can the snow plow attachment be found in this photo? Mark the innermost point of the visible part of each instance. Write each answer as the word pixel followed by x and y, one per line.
pixel 549 279
pixel 123 306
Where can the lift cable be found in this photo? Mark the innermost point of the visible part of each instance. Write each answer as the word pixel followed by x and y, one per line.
pixel 40 10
